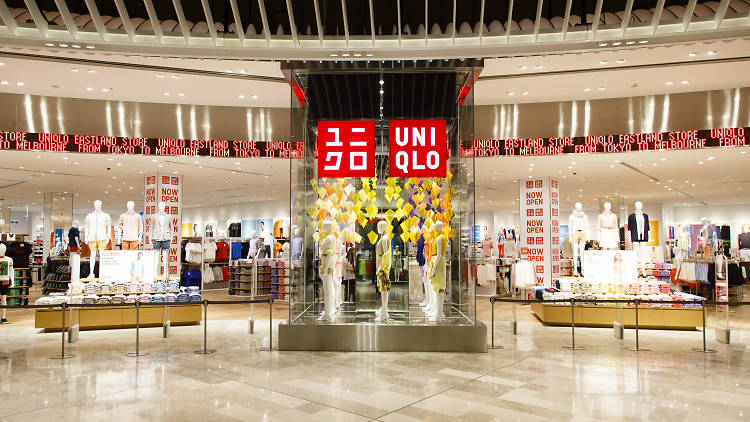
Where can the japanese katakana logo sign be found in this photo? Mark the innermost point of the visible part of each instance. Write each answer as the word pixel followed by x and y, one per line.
pixel 346 148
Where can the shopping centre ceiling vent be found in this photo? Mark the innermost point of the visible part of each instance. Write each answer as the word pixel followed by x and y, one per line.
pixel 363 30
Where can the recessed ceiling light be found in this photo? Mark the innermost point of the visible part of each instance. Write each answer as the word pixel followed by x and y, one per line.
pixel 630 42
pixel 241 96
pixel 670 83
pixel 511 93
pixel 91 71
pixel 692 54
pixel 525 93
pixel 90 47
pixel 616 43
pixel 381 92
pixel 602 88
pixel 587 89
pixel 167 94
pixel 663 159
pixel 181 94
pixel 76 46
pixel 4 83
pixel 603 62
pixel 539 66
pixel 711 53
pixel 63 45
pixel 621 61
pixel 700 162
pixel 522 67
pixel 175 77
pixel 685 82
pixel 105 89
pixel 344 54
pixel 334 55
pixel 254 97
pixel 603 44
pixel 89 89
pixel 711 158
pixel 643 42
pixel 49 44
pixel 20 83
pixel 357 54
pixel 369 54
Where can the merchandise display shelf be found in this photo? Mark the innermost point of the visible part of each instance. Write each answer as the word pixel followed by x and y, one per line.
pixel 99 318
pixel 667 318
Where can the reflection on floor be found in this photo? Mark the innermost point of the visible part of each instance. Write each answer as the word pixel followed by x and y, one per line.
pixel 532 378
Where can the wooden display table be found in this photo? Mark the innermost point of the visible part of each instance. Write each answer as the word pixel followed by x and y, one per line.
pixel 94 318
pixel 667 318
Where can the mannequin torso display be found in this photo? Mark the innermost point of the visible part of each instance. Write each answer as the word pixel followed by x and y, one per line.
pixel 161 230
pixel 638 224
pixel 131 225
pixel 609 237
pixel 327 267
pixel 578 226
pixel 683 240
pixel 487 247
pixel 97 227
pixel 383 262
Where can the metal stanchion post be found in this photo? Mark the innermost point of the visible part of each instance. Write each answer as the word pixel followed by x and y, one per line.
pixel 573 326
pixel 704 349
pixel 62 354
pixel 137 333
pixel 637 347
pixel 270 326
pixel 205 351
pixel 492 325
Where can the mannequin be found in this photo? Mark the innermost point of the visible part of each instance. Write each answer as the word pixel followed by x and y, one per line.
pixel 638 227
pixel 708 236
pixel 683 243
pixel 7 277
pixel 421 261
pixel 609 236
pixel 429 293
pixel 296 243
pixel 327 267
pixel 98 231
pixel 74 245
pixel 487 246
pixel 437 272
pixel 161 236
pixel 132 228
pixel 383 264
pixel 338 273
pixel 578 224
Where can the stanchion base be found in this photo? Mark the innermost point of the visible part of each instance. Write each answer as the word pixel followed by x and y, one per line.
pixel 698 349
pixel 573 348
pixel 136 354
pixel 204 352
pixel 62 357
pixel 637 349
pixel 498 347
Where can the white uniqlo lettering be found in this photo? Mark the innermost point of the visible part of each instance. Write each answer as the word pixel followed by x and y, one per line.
pixel 358 143
pixel 402 141
pixel 362 156
pixel 334 154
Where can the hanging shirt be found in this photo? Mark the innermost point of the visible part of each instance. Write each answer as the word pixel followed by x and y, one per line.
pixel 74 236
pixel 6 270
pixel 296 247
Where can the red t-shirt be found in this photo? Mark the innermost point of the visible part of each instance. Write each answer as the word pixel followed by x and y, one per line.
pixel 222 252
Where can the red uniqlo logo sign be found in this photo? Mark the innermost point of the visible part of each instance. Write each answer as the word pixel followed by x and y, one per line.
pixel 417 148
pixel 346 148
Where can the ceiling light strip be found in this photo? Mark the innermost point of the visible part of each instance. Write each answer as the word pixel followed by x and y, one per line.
pixel 67 18
pixel 292 26
pixel 39 21
pixel 721 11
pixel 238 27
pixel 688 16
pixel 125 18
pixel 597 16
pixel 209 20
pixel 650 177
pixel 566 19
pixel 657 16
pixel 8 20
pixel 181 19
pixel 97 18
pixel 626 17
pixel 264 19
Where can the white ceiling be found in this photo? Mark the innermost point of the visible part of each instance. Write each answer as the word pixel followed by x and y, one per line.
pixel 714 176
pixel 644 70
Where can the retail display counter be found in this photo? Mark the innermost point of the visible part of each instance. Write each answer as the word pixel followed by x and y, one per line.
pixel 96 318
pixel 591 315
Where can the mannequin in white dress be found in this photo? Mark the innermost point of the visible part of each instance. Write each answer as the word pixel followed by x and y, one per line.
pixel 683 243
pixel 131 225
pixel 327 267
pixel 578 226
pixel 609 237
pixel 161 236
pixel 98 231
pixel 383 263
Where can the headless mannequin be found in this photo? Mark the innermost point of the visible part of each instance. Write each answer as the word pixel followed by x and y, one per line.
pixel 707 236
pixel 130 241
pixel 429 294
pixel 162 219
pixel 383 260
pixel 609 237
pixel 640 220
pixel 338 273
pixel 75 258
pixel 683 243
pixel 327 267
pixel 94 235
pixel 437 271
pixel 296 243
pixel 579 227
pixel 6 279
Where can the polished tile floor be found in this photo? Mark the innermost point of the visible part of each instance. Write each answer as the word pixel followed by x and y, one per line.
pixel 532 378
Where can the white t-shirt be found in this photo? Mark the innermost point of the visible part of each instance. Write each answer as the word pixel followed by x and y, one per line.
pixel 6 270
pixel 193 252
pixel 209 251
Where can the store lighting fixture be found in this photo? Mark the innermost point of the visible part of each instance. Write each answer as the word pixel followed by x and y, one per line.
pixel 685 82
pixel 603 44
pixel 511 93
pixel 616 43
pixel 20 83
pixel 630 42
pixel 602 88
pixel 89 89
pixel 76 46
pixel 49 44
pixel 670 83
pixel 334 55
pixel 700 162
pixel 711 158
pixel 538 67
pixel 254 97
pixel 167 94
pixel 382 92
pixel 621 61
pixel 105 89
pixel 177 77
pixel 603 62
pixel 692 54
pixel 382 82
pixel 228 70
pixel 711 53
pixel 63 45
pixel 91 71
pixel 344 54
pixel 3 82
pixel 522 67
pixel 90 47
pixel 525 93
pixel 586 89
pixel 643 42
pixel 242 96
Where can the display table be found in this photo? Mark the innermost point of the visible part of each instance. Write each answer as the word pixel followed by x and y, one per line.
pixel 668 318
pixel 97 318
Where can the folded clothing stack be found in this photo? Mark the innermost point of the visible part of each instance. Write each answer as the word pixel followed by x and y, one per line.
pixel 90 288
pixel 90 299
pixel 194 294
pixel 148 286
pixel 103 300
pixel 159 298
pixel 160 286
pixel 118 287
pixel 139 287
pixel 171 297
pixel 131 298
pixel 144 298
pixel 76 300
pixel 131 287
pixel 77 288
pixel 44 300
pixel 118 299
pixel 174 285
pixel 183 296
pixel 105 288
